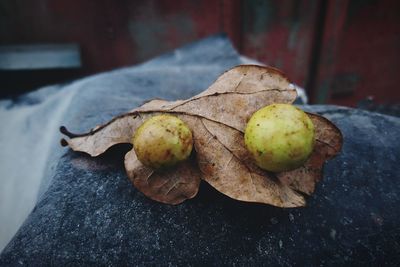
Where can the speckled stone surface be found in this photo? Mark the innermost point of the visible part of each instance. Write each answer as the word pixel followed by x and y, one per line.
pixel 92 215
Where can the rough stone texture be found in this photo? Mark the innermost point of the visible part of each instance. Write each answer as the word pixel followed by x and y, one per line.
pixel 91 214
pixel 29 142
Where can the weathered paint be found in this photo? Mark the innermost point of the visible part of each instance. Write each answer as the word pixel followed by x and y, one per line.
pixel 110 33
pixel 342 51
pixel 360 56
pixel 334 21
pixel 280 33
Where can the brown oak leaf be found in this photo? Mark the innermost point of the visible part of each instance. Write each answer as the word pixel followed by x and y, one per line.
pixel 217 118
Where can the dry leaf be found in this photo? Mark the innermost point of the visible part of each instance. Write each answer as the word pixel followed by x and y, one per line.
pixel 230 146
pixel 222 160
pixel 170 186
pixel 328 143
pixel 217 118
pixel 233 97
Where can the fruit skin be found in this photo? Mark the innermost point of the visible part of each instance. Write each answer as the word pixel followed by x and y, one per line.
pixel 280 137
pixel 162 141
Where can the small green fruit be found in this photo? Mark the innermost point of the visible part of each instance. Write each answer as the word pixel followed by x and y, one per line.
pixel 162 141
pixel 280 137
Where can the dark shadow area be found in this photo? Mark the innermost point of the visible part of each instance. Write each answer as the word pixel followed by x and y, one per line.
pixel 15 83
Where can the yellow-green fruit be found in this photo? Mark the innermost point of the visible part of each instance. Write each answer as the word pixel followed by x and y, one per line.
pixel 162 141
pixel 280 137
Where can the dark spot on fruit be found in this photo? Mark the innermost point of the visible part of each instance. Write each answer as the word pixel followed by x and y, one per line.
pixel 291 133
pixel 167 154
pixel 305 124
pixel 295 153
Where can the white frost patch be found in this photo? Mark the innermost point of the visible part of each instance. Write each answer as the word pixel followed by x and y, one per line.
pixel 25 143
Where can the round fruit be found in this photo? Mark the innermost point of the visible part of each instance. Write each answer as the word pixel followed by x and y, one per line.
pixel 162 141
pixel 280 137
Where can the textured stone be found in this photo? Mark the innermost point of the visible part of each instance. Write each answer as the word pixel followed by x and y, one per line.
pixel 92 215
pixel 29 143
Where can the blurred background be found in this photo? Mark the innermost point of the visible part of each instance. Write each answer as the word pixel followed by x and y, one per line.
pixel 342 52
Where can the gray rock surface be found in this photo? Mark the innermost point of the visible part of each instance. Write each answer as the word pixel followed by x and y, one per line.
pixel 90 214
pixel 29 144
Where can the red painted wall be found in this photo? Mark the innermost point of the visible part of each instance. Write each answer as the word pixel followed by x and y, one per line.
pixel 111 33
pixel 280 33
pixel 342 51
pixel 360 54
